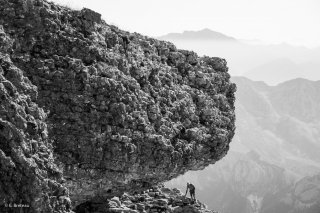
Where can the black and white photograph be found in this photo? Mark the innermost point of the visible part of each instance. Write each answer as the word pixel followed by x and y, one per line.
pixel 149 106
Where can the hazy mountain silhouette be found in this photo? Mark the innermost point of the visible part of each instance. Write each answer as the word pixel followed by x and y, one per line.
pixel 270 63
pixel 275 150
pixel 283 69
pixel 205 34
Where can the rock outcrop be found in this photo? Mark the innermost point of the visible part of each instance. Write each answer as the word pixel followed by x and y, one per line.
pixel 155 199
pixel 90 111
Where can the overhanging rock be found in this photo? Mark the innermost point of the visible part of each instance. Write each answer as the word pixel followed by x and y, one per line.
pixel 116 117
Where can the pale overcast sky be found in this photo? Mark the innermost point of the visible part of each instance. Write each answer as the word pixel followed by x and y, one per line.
pixel 273 21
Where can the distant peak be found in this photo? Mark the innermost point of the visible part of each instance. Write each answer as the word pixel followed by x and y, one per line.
pixel 298 82
pixel 204 34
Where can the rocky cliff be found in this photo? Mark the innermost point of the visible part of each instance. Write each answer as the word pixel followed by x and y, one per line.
pixel 89 111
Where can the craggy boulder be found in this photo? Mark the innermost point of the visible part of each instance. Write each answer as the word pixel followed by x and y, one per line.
pixel 112 111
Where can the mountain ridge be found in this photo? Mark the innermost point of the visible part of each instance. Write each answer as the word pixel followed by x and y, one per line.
pixel 283 69
pixel 244 57
pixel 204 34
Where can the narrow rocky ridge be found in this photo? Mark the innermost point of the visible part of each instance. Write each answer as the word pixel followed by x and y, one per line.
pixel 89 111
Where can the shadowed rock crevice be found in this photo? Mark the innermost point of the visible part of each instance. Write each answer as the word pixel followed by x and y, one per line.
pixel 116 111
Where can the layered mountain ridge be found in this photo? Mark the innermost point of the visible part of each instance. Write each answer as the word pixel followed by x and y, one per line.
pixel 272 64
pixel 89 111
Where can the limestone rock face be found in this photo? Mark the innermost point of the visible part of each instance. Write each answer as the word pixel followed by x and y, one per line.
pixel 88 110
pixel 155 199
pixel 28 174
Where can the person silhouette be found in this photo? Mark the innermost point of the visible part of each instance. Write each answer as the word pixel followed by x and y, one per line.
pixel 192 191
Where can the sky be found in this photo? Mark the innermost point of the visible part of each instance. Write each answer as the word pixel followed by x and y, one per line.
pixel 295 22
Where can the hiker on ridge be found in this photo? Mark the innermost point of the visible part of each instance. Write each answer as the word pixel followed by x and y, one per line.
pixel 192 190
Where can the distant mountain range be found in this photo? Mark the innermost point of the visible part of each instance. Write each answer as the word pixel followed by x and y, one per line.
pixel 272 64
pixel 205 34
pixel 273 165
pixel 282 69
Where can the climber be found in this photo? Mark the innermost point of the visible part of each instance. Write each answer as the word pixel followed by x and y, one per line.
pixel 192 190
pixel 126 42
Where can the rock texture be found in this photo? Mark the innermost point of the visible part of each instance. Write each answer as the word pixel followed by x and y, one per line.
pixel 28 173
pixel 155 199
pixel 90 111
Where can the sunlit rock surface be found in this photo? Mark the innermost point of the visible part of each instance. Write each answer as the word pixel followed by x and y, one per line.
pixel 88 110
